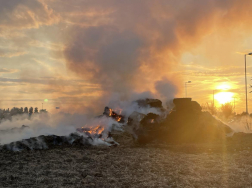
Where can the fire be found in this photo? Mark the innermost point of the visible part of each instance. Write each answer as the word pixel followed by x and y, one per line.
pixel 110 112
pixel 117 111
pixel 116 115
pixel 118 119
pixel 96 130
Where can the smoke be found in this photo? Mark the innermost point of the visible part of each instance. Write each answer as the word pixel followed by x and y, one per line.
pixel 136 46
pixel 24 126
pixel 39 124
pixel 241 124
pixel 123 54
pixel 166 91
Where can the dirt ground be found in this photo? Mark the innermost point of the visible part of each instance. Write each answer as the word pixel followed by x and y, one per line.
pixel 145 166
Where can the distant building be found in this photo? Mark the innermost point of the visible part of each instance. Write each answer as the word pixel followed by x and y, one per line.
pixel 43 111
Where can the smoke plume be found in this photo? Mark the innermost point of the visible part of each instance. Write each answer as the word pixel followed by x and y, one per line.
pixel 128 47
pixel 39 124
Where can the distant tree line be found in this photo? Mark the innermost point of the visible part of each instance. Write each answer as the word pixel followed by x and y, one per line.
pixel 7 113
pixel 224 111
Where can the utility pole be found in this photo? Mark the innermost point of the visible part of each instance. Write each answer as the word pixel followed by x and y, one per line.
pixel 186 88
pixel 246 81
pixel 246 85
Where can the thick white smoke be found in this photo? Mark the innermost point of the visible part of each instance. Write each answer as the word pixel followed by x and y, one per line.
pixel 63 124
pixel 38 124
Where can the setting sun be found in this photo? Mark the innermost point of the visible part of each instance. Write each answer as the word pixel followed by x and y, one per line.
pixel 224 97
pixel 223 86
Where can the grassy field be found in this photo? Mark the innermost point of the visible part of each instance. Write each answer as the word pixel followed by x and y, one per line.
pixel 201 165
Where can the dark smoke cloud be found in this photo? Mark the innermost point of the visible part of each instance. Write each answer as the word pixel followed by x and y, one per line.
pixel 166 89
pixel 122 55
pixel 106 56
pixel 140 42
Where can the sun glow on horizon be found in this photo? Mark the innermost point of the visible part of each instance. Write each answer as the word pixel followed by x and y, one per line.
pixel 223 86
pixel 224 97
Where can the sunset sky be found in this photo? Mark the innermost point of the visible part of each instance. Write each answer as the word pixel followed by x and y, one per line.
pixel 81 55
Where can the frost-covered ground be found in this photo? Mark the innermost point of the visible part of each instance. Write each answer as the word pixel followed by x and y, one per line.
pixel 129 166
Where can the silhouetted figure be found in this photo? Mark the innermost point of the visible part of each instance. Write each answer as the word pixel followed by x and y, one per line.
pixel 21 110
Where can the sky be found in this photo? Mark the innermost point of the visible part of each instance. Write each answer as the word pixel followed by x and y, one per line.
pixel 82 55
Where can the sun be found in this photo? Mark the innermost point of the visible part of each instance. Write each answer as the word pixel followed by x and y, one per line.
pixel 224 97
pixel 222 93
pixel 223 86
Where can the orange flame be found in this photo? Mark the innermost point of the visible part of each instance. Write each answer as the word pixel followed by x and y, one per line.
pixel 110 112
pixel 119 119
pixel 97 130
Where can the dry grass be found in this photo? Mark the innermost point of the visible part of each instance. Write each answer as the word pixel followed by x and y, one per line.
pixel 148 166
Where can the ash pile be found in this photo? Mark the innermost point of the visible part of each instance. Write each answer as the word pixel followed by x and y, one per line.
pixel 49 141
pixel 186 123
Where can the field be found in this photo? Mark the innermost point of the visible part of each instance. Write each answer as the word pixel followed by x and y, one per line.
pixel 200 165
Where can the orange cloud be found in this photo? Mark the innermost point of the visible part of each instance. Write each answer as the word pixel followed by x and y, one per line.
pixel 25 14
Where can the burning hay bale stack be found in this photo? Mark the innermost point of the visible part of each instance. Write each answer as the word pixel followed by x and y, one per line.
pixel 185 124
pixel 186 105
pixel 150 103
pixel 110 113
pixel 149 128
pixel 137 125
pixel 144 128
